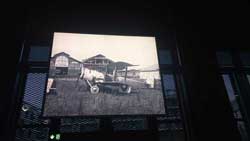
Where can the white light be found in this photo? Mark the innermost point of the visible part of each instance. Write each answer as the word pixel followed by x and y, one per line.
pixel 58 136
pixel 52 136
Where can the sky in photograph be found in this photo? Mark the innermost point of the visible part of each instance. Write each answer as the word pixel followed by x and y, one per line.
pixel 131 49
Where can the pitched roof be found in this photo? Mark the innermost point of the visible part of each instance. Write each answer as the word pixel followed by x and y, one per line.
pixel 75 60
pixel 99 55
pixel 63 53
pixel 120 65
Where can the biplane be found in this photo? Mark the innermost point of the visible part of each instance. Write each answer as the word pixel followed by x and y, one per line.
pixel 97 81
pixel 110 82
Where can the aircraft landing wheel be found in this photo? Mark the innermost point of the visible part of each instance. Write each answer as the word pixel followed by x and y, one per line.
pixel 94 89
pixel 126 89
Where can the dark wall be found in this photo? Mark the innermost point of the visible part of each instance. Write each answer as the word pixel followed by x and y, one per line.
pixel 13 22
pixel 200 28
pixel 212 27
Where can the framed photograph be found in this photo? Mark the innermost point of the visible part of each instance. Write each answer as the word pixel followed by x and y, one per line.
pixel 102 75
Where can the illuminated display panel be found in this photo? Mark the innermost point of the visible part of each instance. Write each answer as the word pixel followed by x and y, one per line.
pixel 93 75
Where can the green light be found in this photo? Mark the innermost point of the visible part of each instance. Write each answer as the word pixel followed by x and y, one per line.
pixel 58 136
pixel 52 136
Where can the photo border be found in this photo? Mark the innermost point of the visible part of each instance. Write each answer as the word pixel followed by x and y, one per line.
pixel 46 70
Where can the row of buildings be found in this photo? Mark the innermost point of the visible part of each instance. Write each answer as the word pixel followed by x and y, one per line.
pixel 62 64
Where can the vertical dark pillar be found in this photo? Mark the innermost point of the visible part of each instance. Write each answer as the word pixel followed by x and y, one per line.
pixel 17 95
pixel 106 128
pixel 211 114
pixel 15 106
pixel 153 129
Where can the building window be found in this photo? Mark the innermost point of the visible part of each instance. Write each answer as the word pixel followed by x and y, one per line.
pixel 165 57
pixel 62 61
pixel 224 58
pixel 30 125
pixel 245 59
pixel 39 54
pixel 233 65
pixel 170 126
pixel 170 92
pixel 234 101
pixel 232 96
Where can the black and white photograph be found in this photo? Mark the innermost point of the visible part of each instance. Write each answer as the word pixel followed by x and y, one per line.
pixel 93 75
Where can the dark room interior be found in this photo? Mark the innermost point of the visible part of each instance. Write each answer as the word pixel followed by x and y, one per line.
pixel 204 60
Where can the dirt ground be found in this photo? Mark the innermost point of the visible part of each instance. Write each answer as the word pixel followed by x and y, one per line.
pixel 75 100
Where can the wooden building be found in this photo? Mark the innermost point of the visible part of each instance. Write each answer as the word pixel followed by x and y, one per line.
pixel 63 64
pixel 133 73
pixel 98 62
